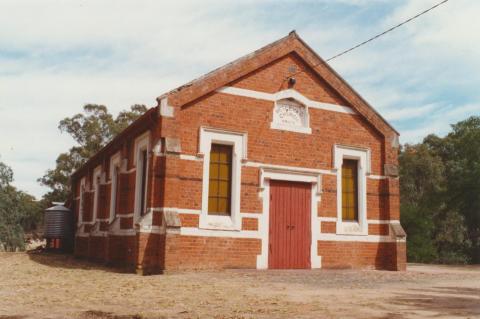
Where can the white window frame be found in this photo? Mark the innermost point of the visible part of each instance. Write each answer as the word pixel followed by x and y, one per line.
pixel 115 161
pixel 97 180
pixel 142 143
pixel 81 203
pixel 305 128
pixel 209 136
pixel 362 155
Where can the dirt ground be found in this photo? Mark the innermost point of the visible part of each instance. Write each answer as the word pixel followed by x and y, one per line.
pixel 39 285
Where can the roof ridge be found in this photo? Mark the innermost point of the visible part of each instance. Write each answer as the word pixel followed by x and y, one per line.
pixel 291 34
pixel 331 69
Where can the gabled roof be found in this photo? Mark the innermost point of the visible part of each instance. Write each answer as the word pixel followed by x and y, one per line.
pixel 137 125
pixel 251 62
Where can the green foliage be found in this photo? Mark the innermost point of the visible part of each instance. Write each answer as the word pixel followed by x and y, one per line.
pixel 451 238
pixel 419 227
pixel 421 184
pixel 440 201
pixel 463 165
pixel 6 175
pixel 92 130
pixel 18 212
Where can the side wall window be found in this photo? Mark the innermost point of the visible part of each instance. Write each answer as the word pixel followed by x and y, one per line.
pixel 82 201
pixel 141 181
pixel 220 180
pixel 115 185
pixel 97 175
pixel 350 190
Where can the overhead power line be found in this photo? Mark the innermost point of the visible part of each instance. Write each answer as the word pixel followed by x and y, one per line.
pixel 375 37
pixel 387 31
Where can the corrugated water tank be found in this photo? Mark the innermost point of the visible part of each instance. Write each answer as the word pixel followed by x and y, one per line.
pixel 58 229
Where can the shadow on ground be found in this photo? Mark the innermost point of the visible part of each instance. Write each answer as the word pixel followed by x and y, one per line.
pixel 68 261
pixel 446 301
pixel 95 314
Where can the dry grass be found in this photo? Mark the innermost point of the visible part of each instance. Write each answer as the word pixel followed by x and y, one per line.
pixel 54 286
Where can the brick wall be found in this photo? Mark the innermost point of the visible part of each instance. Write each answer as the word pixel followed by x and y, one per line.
pixel 122 251
pixel 336 254
pixel 97 248
pixel 400 257
pixel 151 248
pixel 249 223
pixel 282 148
pixel 194 252
pixel 328 227
pixel 81 247
pixel 177 182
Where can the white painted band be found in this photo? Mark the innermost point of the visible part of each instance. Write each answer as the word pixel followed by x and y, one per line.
pixel 152 230
pixel 124 215
pixel 383 221
pixel 175 209
pixel 191 157
pixel 99 234
pixel 286 94
pixel 293 168
pixel 356 238
pixel 197 211
pixel 377 177
pixel 194 231
pixel 251 215
pixel 328 219
pixel 123 232
pixel 290 168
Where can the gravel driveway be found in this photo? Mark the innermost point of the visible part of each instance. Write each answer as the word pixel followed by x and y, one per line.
pixel 41 285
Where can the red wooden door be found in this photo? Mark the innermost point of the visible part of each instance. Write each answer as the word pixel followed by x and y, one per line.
pixel 290 230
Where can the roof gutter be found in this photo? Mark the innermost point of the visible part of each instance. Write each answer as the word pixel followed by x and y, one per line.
pixel 150 114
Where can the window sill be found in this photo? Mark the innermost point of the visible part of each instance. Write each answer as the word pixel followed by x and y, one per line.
pixel 351 228
pixel 215 222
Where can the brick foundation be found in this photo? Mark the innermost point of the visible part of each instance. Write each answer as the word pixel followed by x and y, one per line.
pixel 192 252
pixel 97 246
pixel 339 255
pixel 81 247
pixel 122 251
pixel 151 253
pixel 400 259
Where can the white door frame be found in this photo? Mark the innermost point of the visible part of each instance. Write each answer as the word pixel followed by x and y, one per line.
pixel 267 174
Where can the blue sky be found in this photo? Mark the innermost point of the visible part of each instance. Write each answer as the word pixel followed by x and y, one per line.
pixel 56 56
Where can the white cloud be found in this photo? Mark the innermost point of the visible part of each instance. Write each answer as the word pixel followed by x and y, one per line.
pixel 439 122
pixel 409 112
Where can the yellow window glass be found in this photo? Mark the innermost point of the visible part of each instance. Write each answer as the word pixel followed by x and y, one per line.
pixel 220 180
pixel 349 190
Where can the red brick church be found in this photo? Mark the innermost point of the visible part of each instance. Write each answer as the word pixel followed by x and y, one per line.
pixel 271 161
